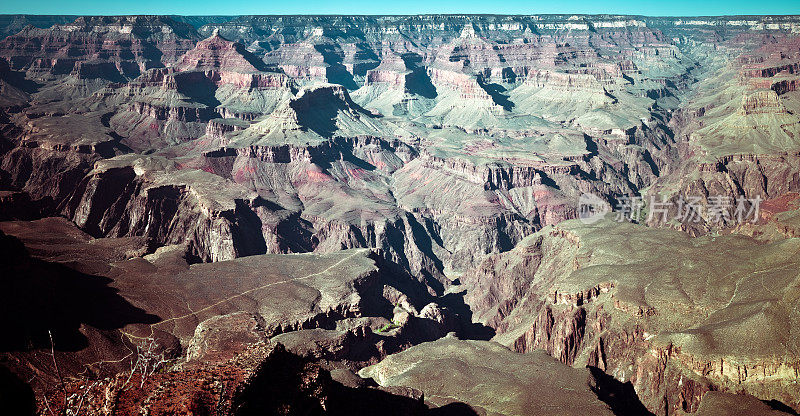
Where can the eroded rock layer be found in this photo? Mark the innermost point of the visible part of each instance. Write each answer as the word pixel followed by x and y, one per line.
pixel 673 315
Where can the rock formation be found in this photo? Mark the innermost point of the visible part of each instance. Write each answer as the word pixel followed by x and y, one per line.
pixel 490 378
pixel 674 315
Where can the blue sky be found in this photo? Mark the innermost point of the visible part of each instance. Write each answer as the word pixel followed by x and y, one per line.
pixel 235 7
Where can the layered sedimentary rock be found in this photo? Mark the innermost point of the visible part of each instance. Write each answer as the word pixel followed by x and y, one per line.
pixel 135 196
pixel 263 378
pixel 76 59
pixel 515 160
pixel 128 44
pixel 216 79
pixel 673 315
pixel 739 130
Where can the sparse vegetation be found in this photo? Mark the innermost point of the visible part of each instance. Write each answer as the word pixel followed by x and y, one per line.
pixel 388 327
pixel 149 358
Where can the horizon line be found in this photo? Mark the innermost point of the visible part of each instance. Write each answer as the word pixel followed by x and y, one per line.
pixel 394 15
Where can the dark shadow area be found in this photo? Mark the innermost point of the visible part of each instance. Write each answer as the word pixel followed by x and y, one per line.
pixel 591 146
pixel 5 177
pixel 296 234
pixel 620 397
pixel 614 99
pixel 416 289
pixel 629 79
pixel 453 409
pixel 667 132
pixel 509 75
pixel 654 94
pixel 249 57
pixel 18 206
pixel 152 54
pixel 396 240
pixel 418 82
pixel 17 78
pixel 39 296
pixel 458 317
pixel 396 276
pixel 467 329
pixel 346 149
pixel 375 401
pixel 130 70
pixel 588 176
pixel 433 229
pixel 317 112
pixel 100 70
pixel 780 406
pixel 423 242
pixel 16 396
pixel 504 241
pixel 248 239
pixel 497 92
pixel 336 72
pixel 650 162
pixel 361 68
pixel 117 147
pixel 200 89
pixel 117 183
pixel 548 181
pixel 366 58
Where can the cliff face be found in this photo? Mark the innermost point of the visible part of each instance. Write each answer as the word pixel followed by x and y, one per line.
pixel 337 171
pixel 740 134
pixel 672 324
pixel 135 42
pixel 136 198
pixel 351 304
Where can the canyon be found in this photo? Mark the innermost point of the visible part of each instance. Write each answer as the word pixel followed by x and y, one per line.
pixel 241 215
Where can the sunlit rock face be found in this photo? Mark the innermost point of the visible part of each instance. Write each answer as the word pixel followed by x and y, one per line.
pixel 420 175
pixel 667 312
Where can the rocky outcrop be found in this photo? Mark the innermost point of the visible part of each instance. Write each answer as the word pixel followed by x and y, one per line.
pixel 762 102
pixel 218 53
pixel 264 378
pixel 129 196
pixel 216 79
pixel 722 404
pixel 110 47
pixel 573 291
pixel 736 180
pixel 305 151
pixel 782 87
pixel 46 175
pixel 485 372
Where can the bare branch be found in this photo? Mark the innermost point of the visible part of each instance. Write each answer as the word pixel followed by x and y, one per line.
pixel 63 385
pixel 47 405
